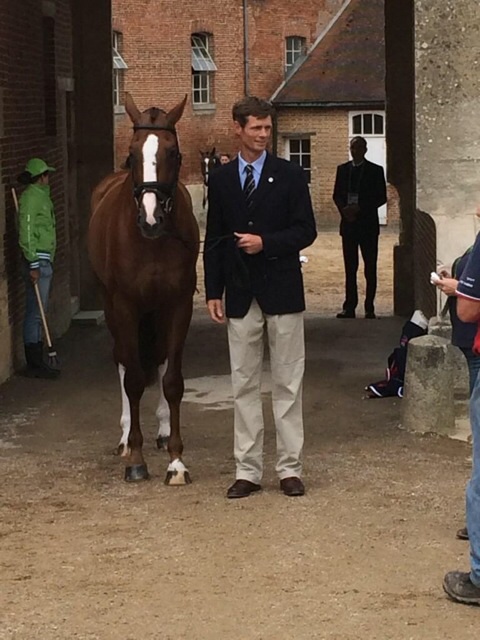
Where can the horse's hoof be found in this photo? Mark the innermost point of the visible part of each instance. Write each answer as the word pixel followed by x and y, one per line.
pixel 118 451
pixel 136 473
pixel 177 478
pixel 162 442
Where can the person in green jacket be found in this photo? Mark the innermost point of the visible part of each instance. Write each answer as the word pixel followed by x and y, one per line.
pixel 37 239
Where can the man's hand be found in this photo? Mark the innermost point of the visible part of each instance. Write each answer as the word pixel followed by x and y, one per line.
pixel 249 243
pixel 447 285
pixel 34 275
pixel 215 309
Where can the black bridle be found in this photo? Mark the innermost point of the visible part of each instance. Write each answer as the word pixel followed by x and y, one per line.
pixel 164 191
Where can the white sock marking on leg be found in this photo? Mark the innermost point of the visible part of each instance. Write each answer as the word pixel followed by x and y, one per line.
pixel 163 410
pixel 125 419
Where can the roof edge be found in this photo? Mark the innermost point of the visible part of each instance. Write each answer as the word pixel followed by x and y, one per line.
pixel 359 104
pixel 313 47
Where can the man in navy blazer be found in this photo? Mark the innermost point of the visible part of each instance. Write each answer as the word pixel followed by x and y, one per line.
pixel 259 217
pixel 359 191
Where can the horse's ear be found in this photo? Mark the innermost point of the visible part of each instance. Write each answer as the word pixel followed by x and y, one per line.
pixel 174 115
pixel 131 108
pixel 213 151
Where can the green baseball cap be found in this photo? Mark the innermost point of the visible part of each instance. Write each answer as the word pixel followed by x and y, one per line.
pixel 37 166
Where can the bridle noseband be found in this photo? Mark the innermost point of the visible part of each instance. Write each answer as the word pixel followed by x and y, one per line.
pixel 164 191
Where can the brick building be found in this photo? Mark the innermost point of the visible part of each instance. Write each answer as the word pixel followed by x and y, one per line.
pixel 338 91
pixel 51 107
pixel 56 101
pixel 240 46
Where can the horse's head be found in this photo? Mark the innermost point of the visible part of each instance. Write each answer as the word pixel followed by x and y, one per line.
pixel 208 161
pixel 154 163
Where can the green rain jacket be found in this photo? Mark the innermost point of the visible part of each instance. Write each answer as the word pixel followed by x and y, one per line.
pixel 37 225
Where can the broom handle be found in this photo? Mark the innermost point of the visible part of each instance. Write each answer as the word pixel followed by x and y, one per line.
pixel 42 313
pixel 35 286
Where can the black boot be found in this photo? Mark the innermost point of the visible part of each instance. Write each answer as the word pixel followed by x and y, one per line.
pixel 36 367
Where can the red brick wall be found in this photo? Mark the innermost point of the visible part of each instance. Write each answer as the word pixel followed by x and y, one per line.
pixel 22 108
pixel 156 47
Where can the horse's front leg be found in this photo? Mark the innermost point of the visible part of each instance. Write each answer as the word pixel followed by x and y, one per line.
pixel 177 473
pixel 134 386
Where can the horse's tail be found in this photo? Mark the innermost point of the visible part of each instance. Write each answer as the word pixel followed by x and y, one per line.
pixel 147 348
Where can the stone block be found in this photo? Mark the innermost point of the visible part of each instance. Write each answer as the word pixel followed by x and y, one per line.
pixel 428 405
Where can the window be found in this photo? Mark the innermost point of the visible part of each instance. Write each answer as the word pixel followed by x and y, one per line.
pixel 119 66
pixel 369 124
pixel 295 48
pixel 203 68
pixel 298 150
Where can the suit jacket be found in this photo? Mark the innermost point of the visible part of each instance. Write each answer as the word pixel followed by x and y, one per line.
pixel 372 194
pixel 282 214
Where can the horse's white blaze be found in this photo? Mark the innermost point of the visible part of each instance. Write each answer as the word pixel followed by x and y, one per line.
pixel 125 419
pixel 149 153
pixel 163 412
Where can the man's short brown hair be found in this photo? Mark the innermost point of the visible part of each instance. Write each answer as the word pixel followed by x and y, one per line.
pixel 251 106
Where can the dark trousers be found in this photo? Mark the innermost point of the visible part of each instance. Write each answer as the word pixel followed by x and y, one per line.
pixel 368 246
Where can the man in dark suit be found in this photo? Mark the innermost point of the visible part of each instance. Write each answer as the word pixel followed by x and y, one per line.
pixel 259 217
pixel 359 191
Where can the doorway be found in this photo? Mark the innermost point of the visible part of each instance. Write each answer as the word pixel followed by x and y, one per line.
pixel 371 126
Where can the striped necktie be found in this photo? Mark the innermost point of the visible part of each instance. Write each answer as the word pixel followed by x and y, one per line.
pixel 249 185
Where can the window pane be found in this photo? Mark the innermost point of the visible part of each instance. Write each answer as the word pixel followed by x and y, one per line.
pixel 367 123
pixel 294 49
pixel 294 146
pixel 308 174
pixel 378 120
pixel 200 88
pixel 357 125
pixel 306 162
pixel 201 58
pixel 305 145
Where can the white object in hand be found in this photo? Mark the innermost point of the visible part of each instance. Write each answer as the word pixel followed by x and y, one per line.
pixel 434 277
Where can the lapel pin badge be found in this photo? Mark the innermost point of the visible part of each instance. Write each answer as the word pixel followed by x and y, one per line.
pixel 270 179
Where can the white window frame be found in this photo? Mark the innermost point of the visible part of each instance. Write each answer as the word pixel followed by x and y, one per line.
pixel 299 156
pixel 354 115
pixel 294 51
pixel 119 67
pixel 203 68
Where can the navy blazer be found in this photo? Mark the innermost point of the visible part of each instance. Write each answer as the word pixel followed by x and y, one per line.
pixel 372 195
pixel 282 214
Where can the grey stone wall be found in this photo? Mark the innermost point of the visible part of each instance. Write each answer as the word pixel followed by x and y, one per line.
pixel 447 112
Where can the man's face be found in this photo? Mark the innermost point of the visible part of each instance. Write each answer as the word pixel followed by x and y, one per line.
pixel 254 136
pixel 358 149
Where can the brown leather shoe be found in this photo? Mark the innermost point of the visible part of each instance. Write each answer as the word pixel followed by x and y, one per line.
pixel 292 486
pixel 242 489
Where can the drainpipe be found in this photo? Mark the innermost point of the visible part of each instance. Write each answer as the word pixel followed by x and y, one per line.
pixel 246 87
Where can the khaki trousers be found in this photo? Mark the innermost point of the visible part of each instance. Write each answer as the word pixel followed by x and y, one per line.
pixel 287 361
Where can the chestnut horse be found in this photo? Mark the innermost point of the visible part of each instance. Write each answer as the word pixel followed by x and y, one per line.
pixel 143 243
